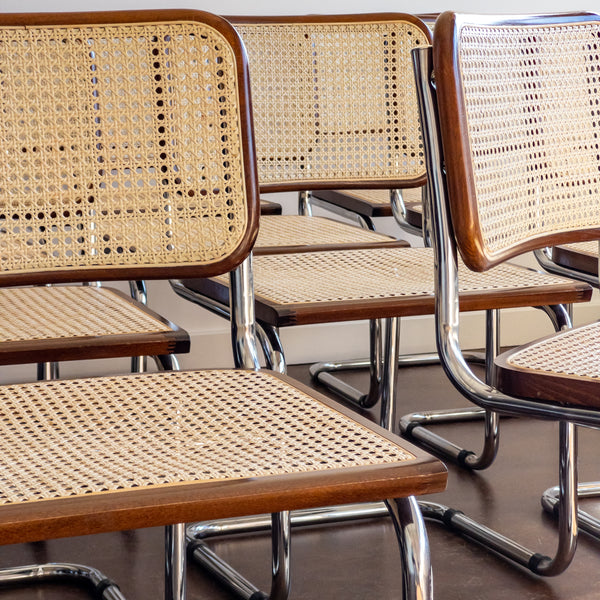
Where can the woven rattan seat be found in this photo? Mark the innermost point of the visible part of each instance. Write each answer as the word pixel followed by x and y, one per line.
pixel 561 368
pixel 341 285
pixel 42 324
pixel 368 202
pixel 128 154
pixel 98 454
pixel 296 233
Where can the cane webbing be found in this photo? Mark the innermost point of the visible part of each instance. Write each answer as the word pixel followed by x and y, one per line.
pixel 573 352
pixel 334 101
pixel 589 248
pixel 296 230
pixel 69 311
pixel 342 275
pixel 533 125
pixel 382 197
pixel 73 437
pixel 114 146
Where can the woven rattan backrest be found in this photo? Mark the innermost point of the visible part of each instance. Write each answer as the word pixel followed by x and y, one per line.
pixel 124 149
pixel 334 100
pixel 519 109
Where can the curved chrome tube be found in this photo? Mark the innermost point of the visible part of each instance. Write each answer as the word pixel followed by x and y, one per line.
pixel 105 588
pixel 585 521
pixel 414 548
pixel 544 258
pixel 462 377
pixel 446 291
pixel 241 302
pixel 175 548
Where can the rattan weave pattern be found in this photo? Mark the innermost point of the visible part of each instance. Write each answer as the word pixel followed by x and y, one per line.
pixel 382 197
pixel 573 352
pixel 535 155
pixel 296 230
pixel 69 311
pixel 343 275
pixel 115 433
pixel 334 101
pixel 590 248
pixel 113 146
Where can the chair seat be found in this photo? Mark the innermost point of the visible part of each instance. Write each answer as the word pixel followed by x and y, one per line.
pixel 562 368
pixel 61 322
pixel 342 285
pixel 369 203
pixel 295 233
pixel 106 453
pixel 581 256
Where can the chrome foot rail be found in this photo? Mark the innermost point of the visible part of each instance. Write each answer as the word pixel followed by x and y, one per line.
pixel 586 521
pixel 103 588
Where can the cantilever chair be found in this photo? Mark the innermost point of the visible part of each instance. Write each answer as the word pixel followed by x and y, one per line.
pixel 141 123
pixel 318 128
pixel 511 138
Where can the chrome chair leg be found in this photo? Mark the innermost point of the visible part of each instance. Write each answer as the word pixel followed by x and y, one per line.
pixel 48 371
pixel 417 581
pixel 278 523
pixel 413 425
pixel 175 554
pixel 138 291
pixel 585 521
pixel 567 515
pixel 103 587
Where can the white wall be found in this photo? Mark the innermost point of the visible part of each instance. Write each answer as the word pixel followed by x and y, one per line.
pixel 210 334
pixel 265 7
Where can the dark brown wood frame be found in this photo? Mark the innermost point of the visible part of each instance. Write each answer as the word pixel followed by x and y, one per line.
pixel 461 190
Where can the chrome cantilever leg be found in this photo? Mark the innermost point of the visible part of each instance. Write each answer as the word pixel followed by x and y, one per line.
pixel 103 587
pixel 466 381
pixel 417 581
pixel 566 509
pixel 413 425
pixel 138 291
pixel 585 521
pixel 175 553
pixel 279 523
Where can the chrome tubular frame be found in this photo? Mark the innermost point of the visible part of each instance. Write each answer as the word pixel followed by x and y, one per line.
pixel 103 587
pixel 463 378
pixel 306 201
pixel 138 291
pixel 268 336
pixel 399 212
pixel 175 554
pixel 585 521
pixel 544 258
pixel 406 518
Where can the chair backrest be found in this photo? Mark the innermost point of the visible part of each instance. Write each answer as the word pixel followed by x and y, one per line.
pixel 126 147
pixel 334 100
pixel 519 109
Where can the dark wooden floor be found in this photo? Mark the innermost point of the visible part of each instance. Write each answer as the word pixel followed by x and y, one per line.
pixel 360 561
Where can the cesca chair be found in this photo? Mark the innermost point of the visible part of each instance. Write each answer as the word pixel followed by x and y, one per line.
pixel 327 124
pixel 510 135
pixel 140 122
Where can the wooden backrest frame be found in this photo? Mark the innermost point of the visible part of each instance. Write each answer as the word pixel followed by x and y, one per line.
pixel 274 179
pixel 246 233
pixel 454 125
